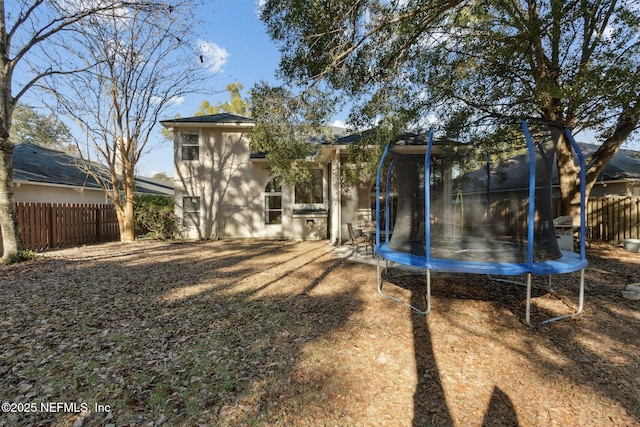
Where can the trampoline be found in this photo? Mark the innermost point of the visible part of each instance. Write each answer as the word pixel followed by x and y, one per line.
pixel 464 210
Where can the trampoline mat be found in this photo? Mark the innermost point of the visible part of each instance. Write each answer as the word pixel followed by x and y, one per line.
pixel 477 250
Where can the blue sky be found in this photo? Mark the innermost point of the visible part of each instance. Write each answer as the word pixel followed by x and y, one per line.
pixel 239 49
pixel 240 46
pixel 236 49
pixel 244 53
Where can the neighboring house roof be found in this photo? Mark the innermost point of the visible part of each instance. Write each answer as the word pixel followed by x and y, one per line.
pixel 625 165
pixel 158 186
pixel 34 163
pixel 37 164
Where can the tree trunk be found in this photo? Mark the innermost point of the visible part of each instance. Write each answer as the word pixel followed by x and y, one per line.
pixel 8 215
pixel 126 221
pixel 567 174
pixel 127 231
pixel 626 124
pixel 124 192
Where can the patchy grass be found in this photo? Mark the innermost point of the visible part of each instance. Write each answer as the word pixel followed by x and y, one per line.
pixel 283 333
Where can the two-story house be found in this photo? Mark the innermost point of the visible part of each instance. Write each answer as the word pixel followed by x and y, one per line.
pixel 222 189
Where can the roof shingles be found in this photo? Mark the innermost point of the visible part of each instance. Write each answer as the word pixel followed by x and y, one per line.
pixel 34 163
pixel 221 118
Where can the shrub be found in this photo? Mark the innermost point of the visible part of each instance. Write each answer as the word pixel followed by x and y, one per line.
pixel 23 255
pixel 154 216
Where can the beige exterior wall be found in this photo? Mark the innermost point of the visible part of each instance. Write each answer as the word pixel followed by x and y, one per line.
pixel 617 188
pixel 49 193
pixel 230 189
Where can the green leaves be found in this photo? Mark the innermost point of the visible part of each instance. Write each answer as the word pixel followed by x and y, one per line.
pixel 289 128
pixel 32 127
pixel 154 216
pixel 575 62
pixel 236 104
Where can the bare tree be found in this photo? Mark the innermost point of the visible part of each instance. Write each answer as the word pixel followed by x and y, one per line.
pixel 28 30
pixel 137 64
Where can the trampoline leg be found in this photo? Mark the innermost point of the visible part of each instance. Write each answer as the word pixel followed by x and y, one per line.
pixel 580 303
pixel 417 310
pixel 428 295
pixel 528 311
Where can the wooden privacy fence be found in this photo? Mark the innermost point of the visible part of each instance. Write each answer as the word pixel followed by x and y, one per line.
pixel 53 225
pixel 614 218
pixel 611 219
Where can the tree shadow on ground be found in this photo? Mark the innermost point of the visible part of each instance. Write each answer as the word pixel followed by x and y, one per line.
pixel 430 403
pixel 500 411
pixel 586 363
pixel 238 332
pixel 187 336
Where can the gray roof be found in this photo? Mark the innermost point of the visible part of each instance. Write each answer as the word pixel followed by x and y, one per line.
pixel 158 186
pixel 40 164
pixel 211 118
pixel 34 163
pixel 625 165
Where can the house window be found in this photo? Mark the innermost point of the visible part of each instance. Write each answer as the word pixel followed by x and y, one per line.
pixel 310 192
pixel 191 212
pixel 190 146
pixel 273 201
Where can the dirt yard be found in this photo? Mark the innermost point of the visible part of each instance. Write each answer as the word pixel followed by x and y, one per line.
pixel 260 333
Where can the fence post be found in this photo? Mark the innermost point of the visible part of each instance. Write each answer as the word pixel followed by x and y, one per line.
pixel 98 223
pixel 636 219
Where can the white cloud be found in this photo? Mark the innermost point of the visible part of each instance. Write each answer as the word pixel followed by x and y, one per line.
pixel 259 6
pixel 174 100
pixel 339 124
pixel 212 56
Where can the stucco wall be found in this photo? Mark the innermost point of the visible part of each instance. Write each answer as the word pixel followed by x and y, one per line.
pixel 230 187
pixel 615 189
pixel 43 193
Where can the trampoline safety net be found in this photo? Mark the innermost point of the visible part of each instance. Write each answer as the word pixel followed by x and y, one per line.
pixel 474 204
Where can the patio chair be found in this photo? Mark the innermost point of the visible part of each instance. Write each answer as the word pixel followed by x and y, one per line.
pixel 370 231
pixel 358 242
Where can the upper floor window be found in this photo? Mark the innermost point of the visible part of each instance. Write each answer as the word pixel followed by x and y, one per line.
pixel 311 191
pixel 190 146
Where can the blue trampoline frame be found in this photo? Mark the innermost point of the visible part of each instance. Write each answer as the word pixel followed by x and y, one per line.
pixel 569 261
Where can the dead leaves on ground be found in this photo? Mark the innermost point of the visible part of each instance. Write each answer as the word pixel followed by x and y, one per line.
pixel 285 333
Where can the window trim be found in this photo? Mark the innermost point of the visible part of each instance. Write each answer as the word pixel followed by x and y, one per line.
pixel 184 144
pixel 266 194
pixel 317 205
pixel 191 213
